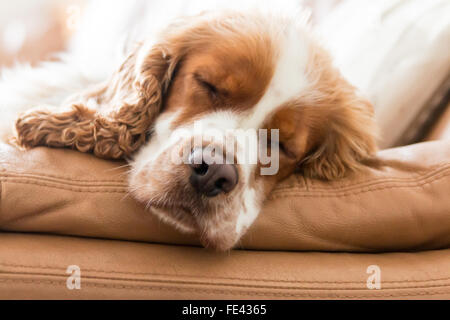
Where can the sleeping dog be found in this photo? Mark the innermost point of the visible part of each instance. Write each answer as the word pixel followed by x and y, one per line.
pixel 222 71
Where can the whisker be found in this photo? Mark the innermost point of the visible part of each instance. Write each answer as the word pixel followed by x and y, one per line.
pixel 117 168
pixel 128 194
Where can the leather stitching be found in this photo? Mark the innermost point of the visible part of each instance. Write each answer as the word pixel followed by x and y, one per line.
pixel 86 188
pixel 187 282
pixel 291 193
pixel 8 172
pixel 230 292
pixel 62 181
pixel 224 278
pixel 310 186
pixel 411 177
pixel 312 194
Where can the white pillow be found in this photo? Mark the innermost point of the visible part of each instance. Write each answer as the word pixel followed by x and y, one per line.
pixel 396 51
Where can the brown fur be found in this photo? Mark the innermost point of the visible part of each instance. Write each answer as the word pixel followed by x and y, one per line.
pixel 341 120
pixel 239 65
pixel 127 106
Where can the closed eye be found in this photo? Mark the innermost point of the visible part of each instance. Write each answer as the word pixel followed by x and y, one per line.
pixel 211 88
pixel 207 85
pixel 286 150
pixel 282 147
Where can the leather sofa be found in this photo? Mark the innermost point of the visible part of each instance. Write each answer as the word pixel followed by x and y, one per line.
pixel 314 240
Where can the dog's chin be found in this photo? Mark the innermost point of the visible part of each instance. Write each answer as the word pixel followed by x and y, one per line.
pixel 219 237
pixel 219 242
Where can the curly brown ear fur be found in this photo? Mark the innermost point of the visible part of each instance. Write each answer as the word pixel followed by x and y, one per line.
pixel 124 109
pixel 348 135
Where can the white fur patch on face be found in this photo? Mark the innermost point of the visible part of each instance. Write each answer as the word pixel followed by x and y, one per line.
pixel 221 121
pixel 249 212
pixel 289 78
pixel 158 143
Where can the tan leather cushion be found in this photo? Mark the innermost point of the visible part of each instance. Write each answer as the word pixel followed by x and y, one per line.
pixel 34 267
pixel 65 192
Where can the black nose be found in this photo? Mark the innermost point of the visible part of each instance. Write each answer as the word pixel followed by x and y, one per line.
pixel 212 179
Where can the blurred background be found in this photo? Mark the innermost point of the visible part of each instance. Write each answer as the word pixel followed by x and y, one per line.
pixel 397 52
pixel 31 30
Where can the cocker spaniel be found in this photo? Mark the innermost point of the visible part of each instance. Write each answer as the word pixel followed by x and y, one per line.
pixel 222 71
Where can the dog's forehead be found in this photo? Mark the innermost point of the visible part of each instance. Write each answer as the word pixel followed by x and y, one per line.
pixel 270 73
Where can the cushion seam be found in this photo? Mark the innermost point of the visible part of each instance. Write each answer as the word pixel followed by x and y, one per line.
pixel 64 182
pixel 232 292
pixel 5 172
pixel 371 182
pixel 237 285
pixel 87 188
pixel 302 193
pixel 224 278
pixel 291 193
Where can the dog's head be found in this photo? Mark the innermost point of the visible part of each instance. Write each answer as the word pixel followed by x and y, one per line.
pixel 194 109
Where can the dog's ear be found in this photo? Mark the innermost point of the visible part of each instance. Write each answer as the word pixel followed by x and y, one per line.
pixel 344 122
pixel 111 120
